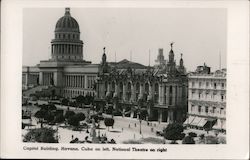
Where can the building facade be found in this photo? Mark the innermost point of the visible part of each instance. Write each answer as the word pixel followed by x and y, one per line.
pixel 130 87
pixel 207 99
pixel 66 73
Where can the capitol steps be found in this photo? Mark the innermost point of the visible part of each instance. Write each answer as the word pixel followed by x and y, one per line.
pixel 34 90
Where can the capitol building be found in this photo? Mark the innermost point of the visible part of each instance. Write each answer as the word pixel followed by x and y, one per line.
pixel 66 73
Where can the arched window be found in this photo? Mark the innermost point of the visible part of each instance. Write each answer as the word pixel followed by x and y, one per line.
pixel 129 87
pixel 146 88
pixel 170 89
pixel 156 88
pixel 113 86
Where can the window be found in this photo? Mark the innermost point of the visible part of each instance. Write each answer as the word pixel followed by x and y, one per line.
pixel 213 111
pixel 193 84
pixel 206 109
pixel 192 108
pixel 199 95
pixel 193 93
pixel 222 97
pixel 170 89
pixel 221 110
pixel 199 109
pixel 207 84
pixel 199 84
pixel 222 85
pixel 214 85
pixel 207 94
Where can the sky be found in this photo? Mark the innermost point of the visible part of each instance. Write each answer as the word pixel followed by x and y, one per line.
pixel 199 33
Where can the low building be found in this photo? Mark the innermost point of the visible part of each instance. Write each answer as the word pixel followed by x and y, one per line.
pixel 207 99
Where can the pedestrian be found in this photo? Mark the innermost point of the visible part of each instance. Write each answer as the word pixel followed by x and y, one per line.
pixel 129 125
pixel 72 137
pixel 135 124
pixel 122 129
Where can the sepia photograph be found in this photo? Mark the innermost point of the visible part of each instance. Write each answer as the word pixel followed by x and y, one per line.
pixel 124 75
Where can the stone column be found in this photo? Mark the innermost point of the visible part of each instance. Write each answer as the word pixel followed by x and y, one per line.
pixel 86 81
pixel 161 94
pixel 78 81
pixel 150 94
pixel 57 78
pixel 116 89
pixel 141 90
pixel 170 116
pixel 75 81
pixel 159 115
pixel 167 95
pixel 40 78
pixel 132 92
pixel 108 89
pixel 67 81
pixel 70 80
pixel 173 94
pixel 27 79
pixel 124 92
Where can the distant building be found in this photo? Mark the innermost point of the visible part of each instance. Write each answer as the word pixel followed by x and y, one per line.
pixel 66 73
pixel 207 99
pixel 129 87
pixel 160 61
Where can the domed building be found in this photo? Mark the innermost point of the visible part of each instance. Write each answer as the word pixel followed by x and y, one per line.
pixel 66 72
pixel 66 45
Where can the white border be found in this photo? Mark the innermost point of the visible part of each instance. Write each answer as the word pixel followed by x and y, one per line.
pixel 237 83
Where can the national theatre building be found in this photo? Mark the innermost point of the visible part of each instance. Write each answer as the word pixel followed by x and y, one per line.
pixel 127 87
pixel 160 90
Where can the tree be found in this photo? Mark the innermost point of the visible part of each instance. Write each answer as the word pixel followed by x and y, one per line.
pixel 74 121
pixel 49 116
pixel 65 102
pixel 69 114
pixel 188 140
pixel 44 107
pixel 41 115
pixel 80 100
pixel 109 122
pixel 51 107
pixel 59 118
pixel 174 132
pixel 44 135
pixel 81 116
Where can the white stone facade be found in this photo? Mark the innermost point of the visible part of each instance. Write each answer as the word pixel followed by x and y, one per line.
pixel 207 97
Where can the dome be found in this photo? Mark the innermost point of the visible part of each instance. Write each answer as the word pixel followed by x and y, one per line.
pixel 67 23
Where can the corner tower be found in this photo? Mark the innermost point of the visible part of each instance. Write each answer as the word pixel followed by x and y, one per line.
pixel 66 45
